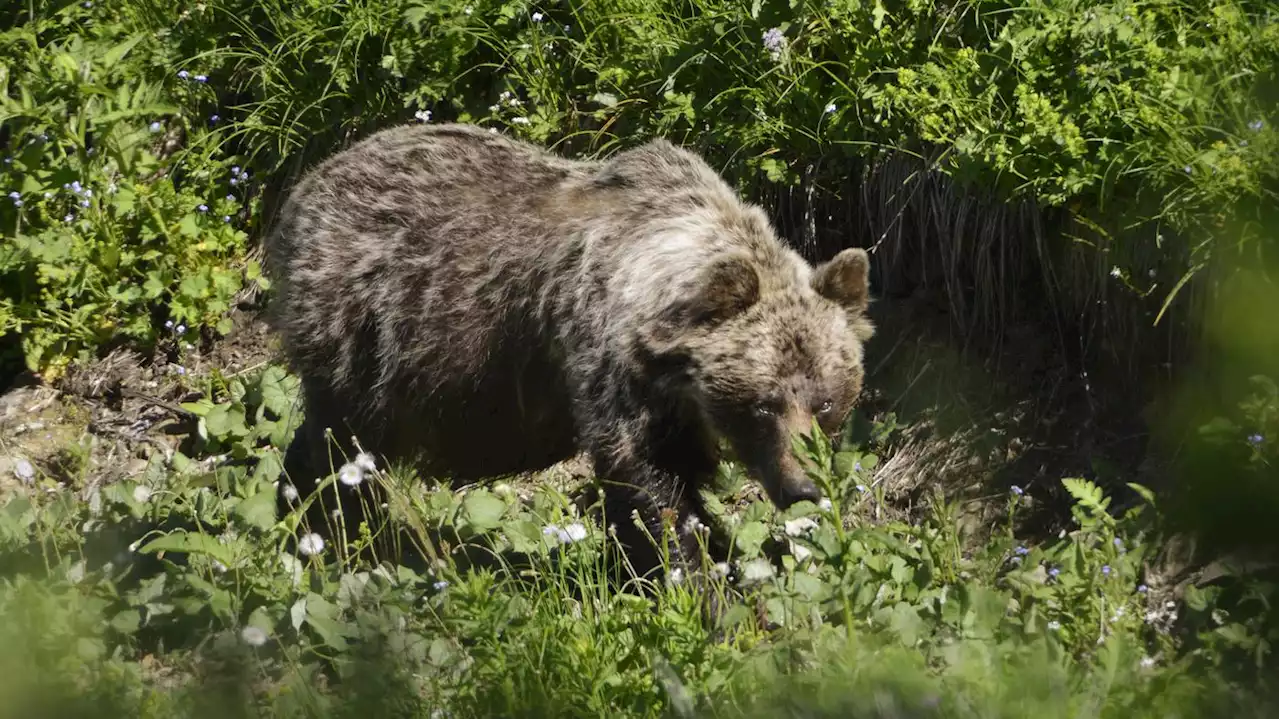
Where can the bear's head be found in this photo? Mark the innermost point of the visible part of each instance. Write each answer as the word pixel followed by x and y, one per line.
pixel 764 350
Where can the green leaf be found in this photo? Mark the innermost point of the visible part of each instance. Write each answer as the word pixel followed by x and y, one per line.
pixel 189 543
pixel 258 510
pixel 226 420
pixel 483 510
pixel 750 537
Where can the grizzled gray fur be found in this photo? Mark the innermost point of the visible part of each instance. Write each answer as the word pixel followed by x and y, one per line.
pixel 479 306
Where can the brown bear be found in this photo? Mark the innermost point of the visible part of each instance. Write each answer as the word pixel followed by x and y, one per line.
pixel 479 306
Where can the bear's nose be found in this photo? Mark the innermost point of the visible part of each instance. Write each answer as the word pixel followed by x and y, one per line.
pixel 801 491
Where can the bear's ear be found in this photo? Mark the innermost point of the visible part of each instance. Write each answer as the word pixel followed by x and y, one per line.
pixel 728 286
pixel 843 279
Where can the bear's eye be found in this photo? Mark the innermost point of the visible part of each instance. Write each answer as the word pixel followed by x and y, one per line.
pixel 826 407
pixel 764 410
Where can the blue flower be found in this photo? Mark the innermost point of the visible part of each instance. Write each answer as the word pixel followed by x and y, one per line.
pixel 1255 439
pixel 17 203
pixel 231 198
pixel 1016 490
pixel 214 119
pixel 234 182
pixel 201 78
pixel 15 195
pixel 184 74
pixel 226 218
pixel 1021 551
pixel 1186 169
pixel 773 40
pixel 861 488
pixel 1054 572
pixel 84 203
pixel 1106 570
pixel 202 208
pixel 1142 589
pixel 1256 125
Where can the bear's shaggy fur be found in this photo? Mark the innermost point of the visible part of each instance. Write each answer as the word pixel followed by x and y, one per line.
pixel 481 307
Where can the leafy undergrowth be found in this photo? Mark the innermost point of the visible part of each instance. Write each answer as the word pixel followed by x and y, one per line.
pixel 179 593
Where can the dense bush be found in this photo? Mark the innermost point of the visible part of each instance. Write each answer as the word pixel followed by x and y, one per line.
pixel 1146 120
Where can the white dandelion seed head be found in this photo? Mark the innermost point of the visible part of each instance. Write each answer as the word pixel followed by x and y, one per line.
pixel 824 504
pixel 676 576
pixel 253 636
pixel 311 544
pixel 575 532
pixel 351 474
pixel 141 494
pixel 720 570
pixel 756 570
pixel 365 461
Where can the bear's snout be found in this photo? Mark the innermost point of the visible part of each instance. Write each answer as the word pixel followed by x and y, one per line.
pixel 798 489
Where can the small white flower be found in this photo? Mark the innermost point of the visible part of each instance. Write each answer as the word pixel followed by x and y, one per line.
pixel 1115 272
pixel 1054 626
pixel 311 544
pixel 351 474
pixel 141 494
pixel 24 470
pixel 1147 662
pixel 423 115
pixel 494 108
pixel 575 532
pixel 720 570
pixel 253 636
pixel 799 526
pixel 493 130
pixel 537 17
pixel 519 121
pixel 133 546
pixel 219 567
pixel 830 108
pixel 756 570
pixel 676 576
pixel 824 504
pixel 441 585
pixel 467 10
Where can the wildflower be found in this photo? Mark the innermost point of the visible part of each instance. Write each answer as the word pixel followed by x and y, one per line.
pixel 1054 572
pixel 1142 589
pixel 1021 551
pixel 537 17
pixel 773 41
pixel 1106 570
pixel 1244 143
pixel 857 465
pixel 441 585
pixel 493 130
pixel 519 121
pixel 861 488
pixel 234 182
pixel 824 504
pixel 720 570
pixel 17 203
pixel 235 169
pixel 180 329
pixel 351 474
pixel 231 198
pixel 253 636
pixel 1016 490
pixel 88 3
pixel 1255 439
pixel 566 28
pixel 179 369
pixel 201 78
pixel 467 10
pixel 1054 626
pixel 202 207
pixel 213 119
pixel 799 526
pixel 756 570
pixel 75 186
pixel 24 470
pixel 141 494
pixel 88 192
pixel 423 115
pixel 184 74
pixel 290 493
pixel 226 218
pixel 494 108
pixel 156 126
pixel 1256 125
pixel 676 576
pixel 575 532
pixel 311 544
pixel 69 217
pixel 1186 169
pixel 84 203
pixel 1146 662
pixel 1119 543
